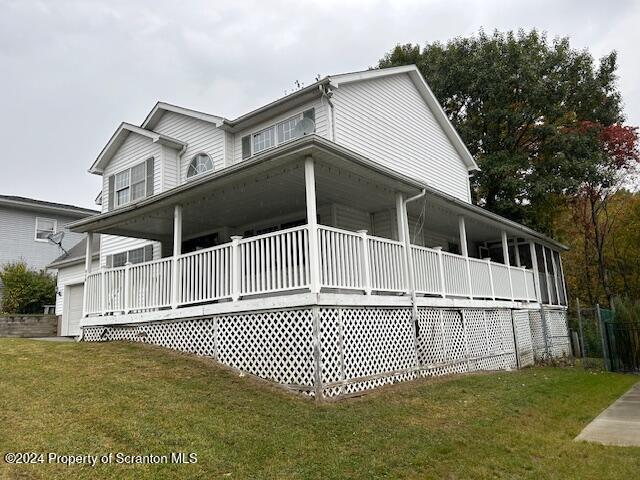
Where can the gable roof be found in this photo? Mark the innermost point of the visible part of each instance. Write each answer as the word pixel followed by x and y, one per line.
pixel 300 96
pixel 118 138
pixel 42 205
pixel 426 93
pixel 160 108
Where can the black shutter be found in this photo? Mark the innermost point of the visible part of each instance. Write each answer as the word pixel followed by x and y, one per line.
pixel 150 172
pixel 148 253
pixel 246 147
pixel 311 114
pixel 112 191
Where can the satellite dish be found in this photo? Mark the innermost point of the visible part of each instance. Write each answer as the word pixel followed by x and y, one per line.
pixel 56 239
pixel 306 126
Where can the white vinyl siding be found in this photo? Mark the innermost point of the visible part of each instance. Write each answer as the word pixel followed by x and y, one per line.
pixel 200 137
pixel 387 120
pixel 135 149
pixel 320 107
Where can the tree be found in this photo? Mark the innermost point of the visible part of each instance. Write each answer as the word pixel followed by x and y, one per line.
pixel 25 290
pixel 516 100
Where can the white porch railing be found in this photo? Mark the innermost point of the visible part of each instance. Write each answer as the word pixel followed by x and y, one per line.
pixel 279 261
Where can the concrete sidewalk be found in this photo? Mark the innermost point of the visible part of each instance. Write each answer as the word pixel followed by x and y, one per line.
pixel 619 424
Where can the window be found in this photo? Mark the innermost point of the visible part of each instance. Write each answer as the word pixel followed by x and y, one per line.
pixel 263 140
pixel 137 255
pixel 44 228
pixel 131 184
pixel 286 129
pixel 201 163
pixel 274 135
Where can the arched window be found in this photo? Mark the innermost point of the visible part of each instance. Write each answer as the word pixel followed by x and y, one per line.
pixel 201 163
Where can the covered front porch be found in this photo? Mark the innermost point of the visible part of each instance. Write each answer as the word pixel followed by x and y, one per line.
pixel 315 219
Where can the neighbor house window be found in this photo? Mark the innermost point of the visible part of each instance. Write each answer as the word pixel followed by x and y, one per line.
pixel 44 228
pixel 274 135
pixel 201 163
pixel 131 184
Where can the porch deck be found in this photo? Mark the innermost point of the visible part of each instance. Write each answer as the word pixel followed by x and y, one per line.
pixel 281 262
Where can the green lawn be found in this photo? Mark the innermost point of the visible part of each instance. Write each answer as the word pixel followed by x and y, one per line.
pixel 88 398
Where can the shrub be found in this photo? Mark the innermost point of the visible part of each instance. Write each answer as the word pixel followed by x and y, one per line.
pixel 26 290
pixel 627 310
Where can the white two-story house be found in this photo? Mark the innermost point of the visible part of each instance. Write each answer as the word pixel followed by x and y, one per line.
pixel 325 241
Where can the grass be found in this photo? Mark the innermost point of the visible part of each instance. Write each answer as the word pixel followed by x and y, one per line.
pixel 88 398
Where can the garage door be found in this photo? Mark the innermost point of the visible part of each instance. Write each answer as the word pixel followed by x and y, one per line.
pixel 74 310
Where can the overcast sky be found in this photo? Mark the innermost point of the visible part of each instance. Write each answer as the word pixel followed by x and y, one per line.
pixel 71 71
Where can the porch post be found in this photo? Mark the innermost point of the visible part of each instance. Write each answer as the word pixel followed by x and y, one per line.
pixel 403 236
pixel 88 260
pixel 546 275
pixel 564 284
pixel 177 251
pixel 312 221
pixel 464 249
pixel 536 271
pixel 516 250
pixel 505 255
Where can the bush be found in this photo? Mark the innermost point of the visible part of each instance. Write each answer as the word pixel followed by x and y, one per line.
pixel 25 290
pixel 627 310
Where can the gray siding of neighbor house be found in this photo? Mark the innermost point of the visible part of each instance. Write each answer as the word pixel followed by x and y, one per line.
pixel 17 237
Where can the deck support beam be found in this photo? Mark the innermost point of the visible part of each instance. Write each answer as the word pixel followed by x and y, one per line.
pixel 177 251
pixel 312 221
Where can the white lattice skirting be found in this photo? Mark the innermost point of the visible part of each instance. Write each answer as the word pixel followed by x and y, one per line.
pixel 330 352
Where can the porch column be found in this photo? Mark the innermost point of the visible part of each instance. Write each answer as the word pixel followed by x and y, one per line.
pixel 88 260
pixel 177 251
pixel 464 249
pixel 546 275
pixel 312 221
pixel 505 255
pixel 516 250
pixel 536 271
pixel 404 237
pixel 505 249
pixel 89 253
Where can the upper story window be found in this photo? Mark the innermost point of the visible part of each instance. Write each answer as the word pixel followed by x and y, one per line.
pixel 44 228
pixel 201 163
pixel 273 135
pixel 131 184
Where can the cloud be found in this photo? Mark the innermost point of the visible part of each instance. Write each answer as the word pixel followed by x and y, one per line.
pixel 73 70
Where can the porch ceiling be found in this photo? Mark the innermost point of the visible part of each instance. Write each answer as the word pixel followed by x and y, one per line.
pixel 272 184
pixel 258 194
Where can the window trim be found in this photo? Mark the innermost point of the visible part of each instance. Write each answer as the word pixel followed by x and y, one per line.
pixel 299 115
pixel 55 228
pixel 212 169
pixel 130 185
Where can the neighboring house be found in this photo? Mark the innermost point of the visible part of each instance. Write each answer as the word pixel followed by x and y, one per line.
pixel 325 241
pixel 25 224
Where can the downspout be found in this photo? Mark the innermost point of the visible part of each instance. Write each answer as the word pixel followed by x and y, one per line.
pixel 407 245
pixel 327 93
